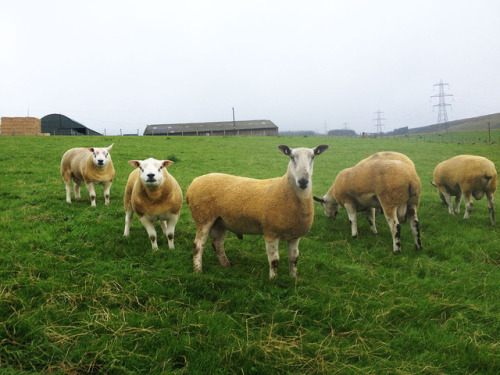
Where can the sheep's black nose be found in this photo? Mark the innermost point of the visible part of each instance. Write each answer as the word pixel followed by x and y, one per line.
pixel 303 183
pixel 100 162
pixel 151 176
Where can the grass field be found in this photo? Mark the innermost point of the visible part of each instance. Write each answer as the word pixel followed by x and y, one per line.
pixel 479 137
pixel 78 297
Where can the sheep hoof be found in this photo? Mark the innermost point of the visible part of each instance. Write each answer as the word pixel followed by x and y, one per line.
pixel 240 236
pixel 396 252
pixel 355 236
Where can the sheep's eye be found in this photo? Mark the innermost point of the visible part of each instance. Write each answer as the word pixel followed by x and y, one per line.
pixel 142 170
pixel 159 169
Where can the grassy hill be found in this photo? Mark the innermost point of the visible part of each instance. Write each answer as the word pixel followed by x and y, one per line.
pixel 470 124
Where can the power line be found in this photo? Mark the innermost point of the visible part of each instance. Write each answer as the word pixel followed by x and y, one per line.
pixel 379 120
pixel 442 115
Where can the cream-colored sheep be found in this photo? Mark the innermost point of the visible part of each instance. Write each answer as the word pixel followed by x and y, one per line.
pixel 92 165
pixel 392 185
pixel 280 209
pixel 153 194
pixel 389 155
pixel 468 176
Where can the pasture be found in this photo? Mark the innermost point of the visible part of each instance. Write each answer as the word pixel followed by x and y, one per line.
pixel 78 297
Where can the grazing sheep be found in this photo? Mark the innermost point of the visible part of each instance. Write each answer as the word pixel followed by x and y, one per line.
pixel 389 155
pixel 153 194
pixel 92 165
pixel 392 185
pixel 468 176
pixel 280 209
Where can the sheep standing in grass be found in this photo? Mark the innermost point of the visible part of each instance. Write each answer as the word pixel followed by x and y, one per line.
pixel 280 209
pixel 389 155
pixel 392 185
pixel 153 194
pixel 468 176
pixel 92 165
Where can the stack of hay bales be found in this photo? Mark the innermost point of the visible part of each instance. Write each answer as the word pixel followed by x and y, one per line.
pixel 21 126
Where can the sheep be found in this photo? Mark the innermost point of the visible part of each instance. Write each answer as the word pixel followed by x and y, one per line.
pixel 280 209
pixel 468 176
pixel 153 194
pixel 392 185
pixel 92 165
pixel 390 155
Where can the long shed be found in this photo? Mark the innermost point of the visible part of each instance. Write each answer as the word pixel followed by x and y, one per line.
pixel 230 128
pixel 57 124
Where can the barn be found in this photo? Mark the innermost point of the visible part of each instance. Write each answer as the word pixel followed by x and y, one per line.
pixel 57 124
pixel 248 128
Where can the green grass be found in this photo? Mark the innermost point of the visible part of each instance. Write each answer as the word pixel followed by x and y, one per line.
pixel 78 297
pixel 478 137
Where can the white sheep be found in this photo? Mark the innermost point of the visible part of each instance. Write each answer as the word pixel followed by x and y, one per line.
pixel 153 194
pixel 392 185
pixel 92 165
pixel 280 209
pixel 468 176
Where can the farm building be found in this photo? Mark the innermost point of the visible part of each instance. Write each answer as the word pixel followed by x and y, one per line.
pixel 56 124
pixel 251 127
pixel 20 126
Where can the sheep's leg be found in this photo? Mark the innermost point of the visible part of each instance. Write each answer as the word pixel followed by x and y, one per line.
pixel 415 227
pixel 491 206
pixel 91 189
pixel 199 245
pixel 293 256
pixel 447 198
pixel 370 216
pixel 107 188
pixel 443 199
pixel 68 190
pixel 458 199
pixel 150 228
pixel 351 212
pixel 469 204
pixel 168 228
pixel 128 218
pixel 393 222
pixel 273 257
pixel 76 189
pixel 218 235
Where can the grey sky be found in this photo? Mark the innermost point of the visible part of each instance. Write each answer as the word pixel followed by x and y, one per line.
pixel 306 65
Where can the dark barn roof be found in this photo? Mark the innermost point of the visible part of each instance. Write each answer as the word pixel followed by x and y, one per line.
pixel 57 124
pixel 251 127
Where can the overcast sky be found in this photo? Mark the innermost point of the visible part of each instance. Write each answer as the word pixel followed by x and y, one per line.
pixel 305 65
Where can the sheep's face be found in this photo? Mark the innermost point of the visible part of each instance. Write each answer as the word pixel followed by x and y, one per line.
pixel 151 171
pixel 300 167
pixel 330 206
pixel 101 156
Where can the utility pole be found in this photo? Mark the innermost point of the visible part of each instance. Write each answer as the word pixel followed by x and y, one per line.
pixel 442 115
pixel 234 120
pixel 379 120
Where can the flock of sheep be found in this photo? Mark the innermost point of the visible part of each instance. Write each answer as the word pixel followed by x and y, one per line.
pixel 280 209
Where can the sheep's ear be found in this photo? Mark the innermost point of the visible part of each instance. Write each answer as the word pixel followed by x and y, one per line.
pixel 320 200
pixel 110 147
pixel 135 163
pixel 91 149
pixel 285 149
pixel 320 149
pixel 167 163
